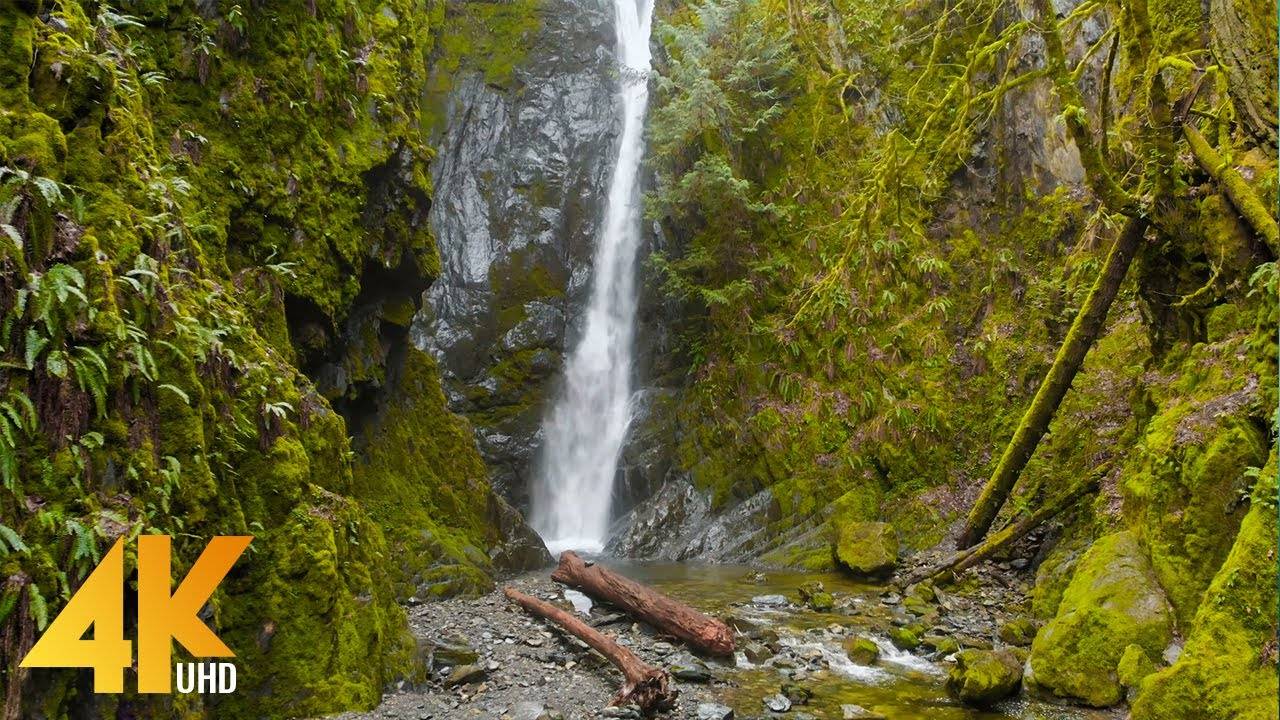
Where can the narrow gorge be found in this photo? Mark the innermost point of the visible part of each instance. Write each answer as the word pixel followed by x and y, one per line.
pixel 929 346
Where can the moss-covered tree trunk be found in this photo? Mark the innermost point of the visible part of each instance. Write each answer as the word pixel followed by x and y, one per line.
pixel 1035 422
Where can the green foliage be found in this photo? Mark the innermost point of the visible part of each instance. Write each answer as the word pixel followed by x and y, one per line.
pixel 150 164
pixel 718 96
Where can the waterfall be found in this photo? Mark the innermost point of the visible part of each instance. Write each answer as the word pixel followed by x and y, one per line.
pixel 587 425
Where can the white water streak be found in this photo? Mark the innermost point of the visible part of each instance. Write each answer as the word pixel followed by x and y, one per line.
pixel 588 424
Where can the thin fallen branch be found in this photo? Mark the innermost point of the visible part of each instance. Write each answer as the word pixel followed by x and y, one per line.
pixel 646 686
pixel 966 559
pixel 671 616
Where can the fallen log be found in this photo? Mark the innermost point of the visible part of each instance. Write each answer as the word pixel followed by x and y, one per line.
pixel 646 687
pixel 966 559
pixel 702 632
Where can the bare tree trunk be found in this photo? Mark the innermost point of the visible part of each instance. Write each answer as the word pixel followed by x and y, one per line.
pixel 646 686
pixel 1035 422
pixel 966 559
pixel 702 632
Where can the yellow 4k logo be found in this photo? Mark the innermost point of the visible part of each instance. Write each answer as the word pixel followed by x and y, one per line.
pixel 162 616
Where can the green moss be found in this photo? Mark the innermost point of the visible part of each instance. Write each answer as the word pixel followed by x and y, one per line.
pixel 1185 483
pixel 1134 665
pixel 237 166
pixel 862 650
pixel 865 548
pixel 410 480
pixel 1227 668
pixel 982 677
pixel 1114 600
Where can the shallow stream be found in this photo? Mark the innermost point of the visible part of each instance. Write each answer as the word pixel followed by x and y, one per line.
pixel 900 686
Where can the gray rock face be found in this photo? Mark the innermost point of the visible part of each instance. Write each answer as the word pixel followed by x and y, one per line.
pixel 519 185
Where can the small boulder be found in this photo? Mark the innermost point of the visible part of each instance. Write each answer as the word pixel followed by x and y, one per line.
pixel 756 653
pixel 857 712
pixel 982 677
pixel 770 601
pixel 1019 631
pixel 866 548
pixel 687 668
pixel 862 650
pixel 810 588
pixel 904 638
pixel 941 644
pixel 917 606
pixel 529 710
pixel 797 694
pixel 822 602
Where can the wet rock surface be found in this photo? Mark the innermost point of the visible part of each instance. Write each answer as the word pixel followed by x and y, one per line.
pixel 517 206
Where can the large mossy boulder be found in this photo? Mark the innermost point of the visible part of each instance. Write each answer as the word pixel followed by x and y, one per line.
pixel 1227 669
pixel 982 677
pixel 1113 601
pixel 867 549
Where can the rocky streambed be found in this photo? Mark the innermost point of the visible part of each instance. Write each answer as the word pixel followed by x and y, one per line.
pixel 809 646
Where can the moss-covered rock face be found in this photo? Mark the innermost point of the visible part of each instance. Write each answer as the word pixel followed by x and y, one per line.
pixel 1114 600
pixel 1227 666
pixel 865 548
pixel 215 237
pixel 982 677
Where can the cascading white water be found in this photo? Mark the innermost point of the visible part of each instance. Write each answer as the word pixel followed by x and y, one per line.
pixel 588 423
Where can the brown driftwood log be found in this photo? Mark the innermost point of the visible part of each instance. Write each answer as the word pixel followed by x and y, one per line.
pixel 646 686
pixel 703 633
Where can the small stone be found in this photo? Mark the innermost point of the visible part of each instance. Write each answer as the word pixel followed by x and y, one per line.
pixel 797 694
pixel 857 712
pixel 464 675
pixel 1018 631
pixel 862 650
pixel 714 711
pixel 627 712
pixel 535 641
pixel 756 653
pixel 769 600
pixel 529 711
pixel 777 703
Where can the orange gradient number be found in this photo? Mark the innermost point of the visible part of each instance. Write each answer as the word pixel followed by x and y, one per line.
pixel 163 616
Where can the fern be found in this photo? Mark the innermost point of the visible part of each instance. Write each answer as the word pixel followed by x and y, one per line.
pixel 17 422
pixel 39 609
pixel 14 541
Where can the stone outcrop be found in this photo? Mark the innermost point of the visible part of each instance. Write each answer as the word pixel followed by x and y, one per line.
pixel 519 184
